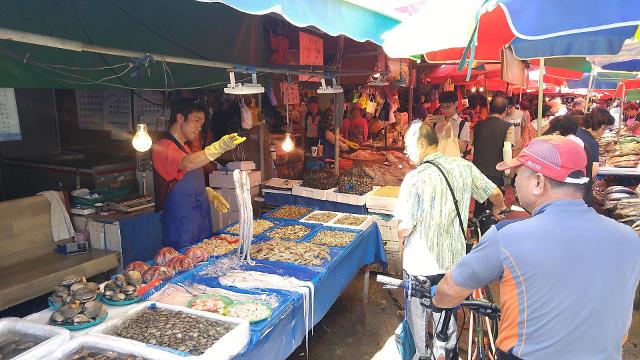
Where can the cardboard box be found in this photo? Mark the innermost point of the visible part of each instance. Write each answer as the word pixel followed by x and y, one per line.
pixel 224 179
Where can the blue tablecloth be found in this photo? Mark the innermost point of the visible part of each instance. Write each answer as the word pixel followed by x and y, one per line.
pixel 330 281
pixel 280 335
pixel 277 199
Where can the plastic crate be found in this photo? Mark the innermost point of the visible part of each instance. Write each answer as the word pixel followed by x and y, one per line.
pixel 106 194
pixel 313 227
pixel 270 216
pixel 54 336
pixel 365 225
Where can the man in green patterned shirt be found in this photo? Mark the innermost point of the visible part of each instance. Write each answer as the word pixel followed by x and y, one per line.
pixel 429 227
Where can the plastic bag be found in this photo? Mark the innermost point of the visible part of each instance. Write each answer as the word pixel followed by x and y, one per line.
pixel 448 144
pixel 246 119
pixel 371 105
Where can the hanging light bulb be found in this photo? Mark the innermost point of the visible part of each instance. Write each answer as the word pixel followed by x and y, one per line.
pixel 141 141
pixel 481 89
pixel 473 90
pixel 287 144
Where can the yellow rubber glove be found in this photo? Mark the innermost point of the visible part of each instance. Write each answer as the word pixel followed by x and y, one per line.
pixel 217 200
pixel 226 143
pixel 352 144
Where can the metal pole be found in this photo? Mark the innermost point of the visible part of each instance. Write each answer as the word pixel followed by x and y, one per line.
pixel 590 87
pixel 540 95
pixel 55 42
pixel 263 171
pixel 622 101
pixel 411 81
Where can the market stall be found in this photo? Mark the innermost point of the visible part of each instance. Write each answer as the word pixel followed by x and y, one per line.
pixel 344 244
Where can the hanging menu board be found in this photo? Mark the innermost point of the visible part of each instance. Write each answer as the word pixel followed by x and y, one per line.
pixel 9 122
pixel 117 110
pixel 148 108
pixel 311 53
pixel 290 93
pixel 90 105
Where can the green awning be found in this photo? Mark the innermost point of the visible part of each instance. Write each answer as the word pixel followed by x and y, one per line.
pixel 183 28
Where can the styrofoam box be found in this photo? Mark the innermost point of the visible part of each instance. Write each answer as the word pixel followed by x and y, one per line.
pixel 111 343
pixel 230 196
pixel 55 336
pixel 231 344
pixel 338 214
pixel 364 226
pixel 221 220
pixel 241 165
pixel 224 179
pixel 381 202
pixel 392 246
pixel 358 200
pixel 388 228
pixel 310 193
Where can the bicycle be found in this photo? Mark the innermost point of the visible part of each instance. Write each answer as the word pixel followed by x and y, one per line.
pixel 420 287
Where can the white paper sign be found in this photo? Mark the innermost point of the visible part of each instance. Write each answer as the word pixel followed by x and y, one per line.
pixel 117 110
pixel 9 122
pixel 148 109
pixel 90 105
pixel 311 53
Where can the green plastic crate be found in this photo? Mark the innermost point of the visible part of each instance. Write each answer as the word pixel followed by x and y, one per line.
pixel 106 194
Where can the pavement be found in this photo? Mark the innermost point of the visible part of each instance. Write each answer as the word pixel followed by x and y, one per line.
pixel 342 333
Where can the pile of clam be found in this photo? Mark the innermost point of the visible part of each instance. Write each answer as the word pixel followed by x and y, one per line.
pixel 13 344
pixel 87 354
pixel 174 329
pixel 77 300
pixel 123 286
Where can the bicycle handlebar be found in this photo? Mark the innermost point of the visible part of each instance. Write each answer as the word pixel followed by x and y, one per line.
pixel 420 287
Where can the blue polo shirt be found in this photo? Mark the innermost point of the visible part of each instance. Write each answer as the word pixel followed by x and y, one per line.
pixel 568 277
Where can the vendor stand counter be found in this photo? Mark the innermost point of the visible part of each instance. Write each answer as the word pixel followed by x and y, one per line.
pixel 136 235
pixel 278 336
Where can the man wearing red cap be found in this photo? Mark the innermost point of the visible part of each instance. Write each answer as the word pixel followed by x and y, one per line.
pixel 567 274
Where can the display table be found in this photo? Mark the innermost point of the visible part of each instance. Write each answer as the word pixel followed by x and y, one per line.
pixel 278 199
pixel 278 336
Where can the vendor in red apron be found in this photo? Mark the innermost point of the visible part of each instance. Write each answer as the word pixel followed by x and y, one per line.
pixel 178 176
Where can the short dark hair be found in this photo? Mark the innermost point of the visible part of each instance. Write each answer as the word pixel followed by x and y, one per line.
pixel 555 184
pixel 185 107
pixel 579 188
pixel 447 97
pixel 597 118
pixel 473 101
pixel 546 110
pixel 567 125
pixel 312 99
pixel 498 105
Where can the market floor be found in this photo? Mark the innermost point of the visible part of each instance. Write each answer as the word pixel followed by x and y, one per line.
pixel 341 334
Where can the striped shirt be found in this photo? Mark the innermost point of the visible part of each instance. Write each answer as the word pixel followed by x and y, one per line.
pixel 436 242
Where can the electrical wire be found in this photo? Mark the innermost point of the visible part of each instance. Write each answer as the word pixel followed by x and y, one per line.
pixel 155 32
pixel 116 75
pixel 86 34
pixel 89 81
